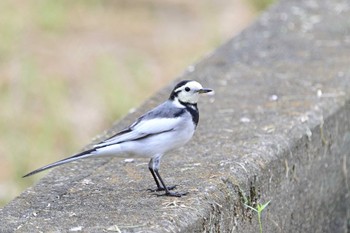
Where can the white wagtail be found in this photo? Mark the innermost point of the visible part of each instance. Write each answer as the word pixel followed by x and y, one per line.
pixel 166 127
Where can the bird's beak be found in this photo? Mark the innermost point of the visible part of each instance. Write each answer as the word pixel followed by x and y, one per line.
pixel 204 90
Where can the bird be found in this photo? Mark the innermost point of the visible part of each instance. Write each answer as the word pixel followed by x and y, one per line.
pixel 167 127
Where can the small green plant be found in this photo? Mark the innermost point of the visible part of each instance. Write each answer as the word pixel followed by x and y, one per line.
pixel 259 208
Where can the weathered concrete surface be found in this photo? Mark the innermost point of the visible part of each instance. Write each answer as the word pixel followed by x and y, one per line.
pixel 278 129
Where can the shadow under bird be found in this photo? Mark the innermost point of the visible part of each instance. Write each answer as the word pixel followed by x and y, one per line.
pixel 166 127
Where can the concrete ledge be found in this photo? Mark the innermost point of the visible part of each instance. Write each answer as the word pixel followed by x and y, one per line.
pixel 278 129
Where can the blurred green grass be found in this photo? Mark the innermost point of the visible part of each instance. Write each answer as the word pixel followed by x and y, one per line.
pixel 69 69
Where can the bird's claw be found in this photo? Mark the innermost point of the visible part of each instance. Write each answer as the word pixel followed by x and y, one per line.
pixel 173 194
pixel 162 189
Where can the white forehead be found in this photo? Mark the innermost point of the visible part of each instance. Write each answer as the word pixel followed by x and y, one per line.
pixel 192 84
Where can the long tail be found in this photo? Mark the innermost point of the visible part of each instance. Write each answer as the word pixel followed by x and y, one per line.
pixel 81 155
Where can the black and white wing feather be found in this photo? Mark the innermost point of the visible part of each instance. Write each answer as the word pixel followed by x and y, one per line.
pixel 154 122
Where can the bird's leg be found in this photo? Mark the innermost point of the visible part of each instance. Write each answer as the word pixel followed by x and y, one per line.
pixel 153 165
pixel 151 169
pixel 156 180
pixel 166 189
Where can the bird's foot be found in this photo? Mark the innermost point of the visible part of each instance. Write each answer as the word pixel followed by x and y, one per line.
pixel 173 194
pixel 162 189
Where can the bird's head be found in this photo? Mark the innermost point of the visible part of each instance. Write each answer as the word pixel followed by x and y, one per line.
pixel 188 91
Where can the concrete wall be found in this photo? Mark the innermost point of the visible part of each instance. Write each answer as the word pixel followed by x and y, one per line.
pixel 278 129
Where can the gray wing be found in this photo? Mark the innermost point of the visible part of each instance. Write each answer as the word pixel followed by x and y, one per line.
pixel 161 119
